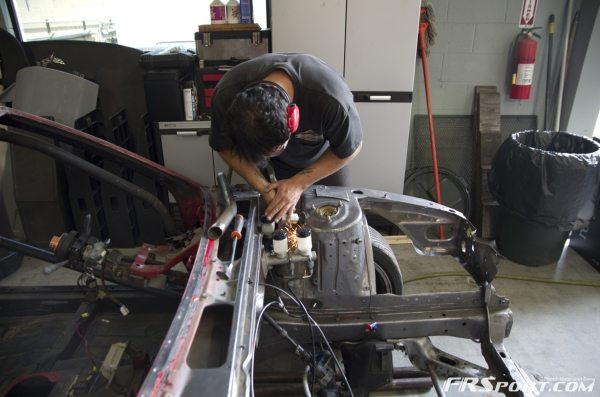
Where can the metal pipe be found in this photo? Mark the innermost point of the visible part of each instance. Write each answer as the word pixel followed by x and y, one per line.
pixel 236 234
pixel 224 220
pixel 563 69
pixel 407 384
pixel 305 382
pixel 29 250
pixel 409 372
pixel 93 170
pixel 292 387
pixel 437 384
pixel 548 71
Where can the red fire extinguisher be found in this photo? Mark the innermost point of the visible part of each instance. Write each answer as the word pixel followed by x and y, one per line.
pixel 524 55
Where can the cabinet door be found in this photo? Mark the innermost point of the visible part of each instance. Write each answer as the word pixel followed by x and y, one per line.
pixel 315 27
pixel 381 44
pixel 382 161
pixel 191 156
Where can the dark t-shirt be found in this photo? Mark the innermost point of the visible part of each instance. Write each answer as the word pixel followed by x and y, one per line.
pixel 328 115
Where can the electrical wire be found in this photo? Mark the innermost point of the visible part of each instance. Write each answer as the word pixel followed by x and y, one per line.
pixel 86 346
pixel 579 283
pixel 260 315
pixel 312 335
pixel 309 318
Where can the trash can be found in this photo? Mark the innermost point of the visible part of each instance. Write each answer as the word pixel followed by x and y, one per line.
pixel 547 185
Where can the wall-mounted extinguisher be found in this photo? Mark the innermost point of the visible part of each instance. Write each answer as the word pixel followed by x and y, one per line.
pixel 524 55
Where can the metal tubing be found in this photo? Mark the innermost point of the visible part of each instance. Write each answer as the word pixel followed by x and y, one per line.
pixel 281 385
pixel 224 220
pixel 437 384
pixel 563 69
pixel 305 382
pixel 29 250
pixel 407 384
pixel 409 372
pixel 94 171
pixel 236 234
pixel 548 71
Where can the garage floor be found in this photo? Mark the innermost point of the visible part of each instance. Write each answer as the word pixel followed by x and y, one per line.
pixel 555 330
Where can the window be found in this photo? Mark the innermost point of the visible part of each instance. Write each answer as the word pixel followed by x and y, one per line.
pixel 135 23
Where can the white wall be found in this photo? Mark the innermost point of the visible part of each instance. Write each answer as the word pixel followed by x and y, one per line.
pixel 472 48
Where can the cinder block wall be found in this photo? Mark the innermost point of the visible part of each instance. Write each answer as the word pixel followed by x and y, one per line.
pixel 472 48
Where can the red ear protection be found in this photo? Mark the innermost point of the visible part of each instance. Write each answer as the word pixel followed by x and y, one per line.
pixel 293 113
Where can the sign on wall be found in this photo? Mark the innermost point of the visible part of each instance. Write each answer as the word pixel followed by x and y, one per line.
pixel 527 13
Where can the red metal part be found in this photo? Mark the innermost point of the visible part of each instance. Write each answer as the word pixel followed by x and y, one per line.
pixel 140 268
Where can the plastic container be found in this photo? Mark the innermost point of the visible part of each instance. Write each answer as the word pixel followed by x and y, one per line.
pixel 527 242
pixel 547 185
pixel 217 12
pixel 233 11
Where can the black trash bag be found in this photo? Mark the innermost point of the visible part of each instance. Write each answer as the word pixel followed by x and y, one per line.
pixel 550 178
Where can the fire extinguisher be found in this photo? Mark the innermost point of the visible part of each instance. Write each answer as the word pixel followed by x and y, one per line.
pixel 524 55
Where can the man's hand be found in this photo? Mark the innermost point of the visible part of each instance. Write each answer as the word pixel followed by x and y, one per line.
pixel 287 194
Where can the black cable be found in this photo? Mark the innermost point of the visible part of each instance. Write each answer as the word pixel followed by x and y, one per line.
pixel 312 335
pixel 310 319
pixel 255 342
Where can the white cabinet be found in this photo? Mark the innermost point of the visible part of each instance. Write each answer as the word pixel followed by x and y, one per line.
pixel 382 161
pixel 313 27
pixel 186 151
pixel 381 44
pixel 373 43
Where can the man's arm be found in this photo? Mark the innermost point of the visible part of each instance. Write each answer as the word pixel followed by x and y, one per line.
pixel 249 172
pixel 288 191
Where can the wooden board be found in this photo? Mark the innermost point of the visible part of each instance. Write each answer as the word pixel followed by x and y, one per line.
pixel 391 240
pixel 230 27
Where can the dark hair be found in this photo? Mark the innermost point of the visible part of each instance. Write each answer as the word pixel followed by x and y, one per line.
pixel 257 121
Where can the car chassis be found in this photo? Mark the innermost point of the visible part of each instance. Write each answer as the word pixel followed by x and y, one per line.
pixel 210 345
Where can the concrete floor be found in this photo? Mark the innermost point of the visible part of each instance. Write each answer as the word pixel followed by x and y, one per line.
pixel 555 330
